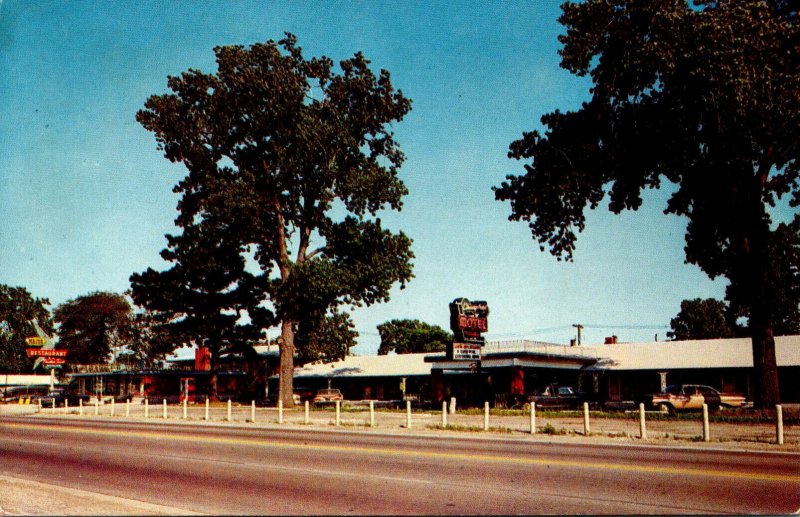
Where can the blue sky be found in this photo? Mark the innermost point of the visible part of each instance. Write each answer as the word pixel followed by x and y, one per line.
pixel 85 197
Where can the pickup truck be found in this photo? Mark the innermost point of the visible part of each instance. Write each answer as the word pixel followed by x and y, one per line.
pixel 559 397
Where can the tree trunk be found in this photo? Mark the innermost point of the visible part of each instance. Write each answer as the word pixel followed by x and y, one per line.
pixel 765 365
pixel 213 375
pixel 286 374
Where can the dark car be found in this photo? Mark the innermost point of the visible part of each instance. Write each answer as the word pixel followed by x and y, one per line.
pixel 62 396
pixel 559 397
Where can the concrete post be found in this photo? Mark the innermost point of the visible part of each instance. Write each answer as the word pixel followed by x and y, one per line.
pixel 779 423
pixel 112 407
pixel 280 411
pixel 586 428
pixel 165 408
pixel 146 408
pixel 486 416
pixel 408 414
pixel 96 406
pixel 533 417
pixel 642 424
pixel 128 407
pixel 66 406
pixel 706 433
pixel 338 413
pixel 452 405
pixel 54 405
pixel 305 413
pixel 444 414
pixel 205 417
pixel 80 407
pixel 372 413
pixel 253 411
pixel 39 403
pixel 229 410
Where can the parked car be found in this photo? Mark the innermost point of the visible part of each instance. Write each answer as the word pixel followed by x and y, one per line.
pixel 328 395
pixel 554 396
pixel 60 396
pixel 680 397
pixel 300 395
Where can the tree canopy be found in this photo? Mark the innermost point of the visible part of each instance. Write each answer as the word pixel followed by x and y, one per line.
pixel 702 319
pixel 93 326
pixel 18 308
pixel 411 337
pixel 297 159
pixel 704 96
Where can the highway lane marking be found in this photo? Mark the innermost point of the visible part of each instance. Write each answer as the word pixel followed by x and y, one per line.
pixel 651 469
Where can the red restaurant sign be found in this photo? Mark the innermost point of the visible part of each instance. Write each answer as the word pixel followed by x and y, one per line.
pixel 38 352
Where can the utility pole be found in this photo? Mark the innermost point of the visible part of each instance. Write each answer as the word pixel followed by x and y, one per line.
pixel 579 327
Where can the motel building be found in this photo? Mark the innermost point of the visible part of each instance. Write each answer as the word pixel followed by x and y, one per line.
pixel 616 374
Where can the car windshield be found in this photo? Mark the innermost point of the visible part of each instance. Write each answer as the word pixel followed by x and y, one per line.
pixel 565 391
pixel 673 390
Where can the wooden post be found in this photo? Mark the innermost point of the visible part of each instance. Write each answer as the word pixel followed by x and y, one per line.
pixel 205 417
pixel 66 406
pixel 706 431
pixel 280 411
pixel 586 428
pixel 80 407
pixel 444 414
pixel 96 406
pixel 305 413
pixel 185 408
pixel 408 414
pixel 253 411
pixel 165 408
pixel 54 405
pixel 779 423
pixel 372 413
pixel 486 416
pixel 112 407
pixel 146 408
pixel 338 413
pixel 642 424
pixel 229 410
pixel 533 417
pixel 127 407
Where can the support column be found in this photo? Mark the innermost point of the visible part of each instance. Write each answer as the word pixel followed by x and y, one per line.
pixel 437 385
pixel 517 381
pixel 663 377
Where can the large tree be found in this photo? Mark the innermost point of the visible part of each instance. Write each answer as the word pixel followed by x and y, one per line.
pixel 412 337
pixel 302 157
pixel 18 309
pixel 93 326
pixel 702 319
pixel 705 96
pixel 206 299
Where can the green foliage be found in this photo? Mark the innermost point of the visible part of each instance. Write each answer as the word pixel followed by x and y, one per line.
pixel 411 337
pixel 93 325
pixel 706 97
pixel 328 339
pixel 17 310
pixel 278 148
pixel 701 319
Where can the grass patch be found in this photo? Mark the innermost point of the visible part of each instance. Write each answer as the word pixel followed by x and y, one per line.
pixel 550 429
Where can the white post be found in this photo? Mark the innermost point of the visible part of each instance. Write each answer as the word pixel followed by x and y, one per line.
pixel 280 411
pixel 39 403
pixel 452 405
pixel 127 407
pixel 165 408
pixel 185 408
pixel 533 417
pixel 66 406
pixel 706 433
pixel 408 414
pixel 486 416
pixel 80 407
pixel 372 413
pixel 54 405
pixel 253 411
pixel 779 423
pixel 205 417
pixel 642 424
pixel 338 413
pixel 444 413
pixel 97 406
pixel 305 416
pixel 146 408
pixel 586 428
pixel 112 407
pixel 229 410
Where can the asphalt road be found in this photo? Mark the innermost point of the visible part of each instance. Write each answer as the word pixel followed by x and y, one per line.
pixel 222 469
